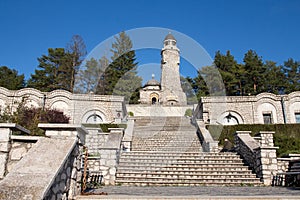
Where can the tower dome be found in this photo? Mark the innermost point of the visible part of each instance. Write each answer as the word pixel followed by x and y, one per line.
pixel 169 37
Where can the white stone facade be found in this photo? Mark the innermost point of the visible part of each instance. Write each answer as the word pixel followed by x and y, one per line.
pixel 260 109
pixel 81 108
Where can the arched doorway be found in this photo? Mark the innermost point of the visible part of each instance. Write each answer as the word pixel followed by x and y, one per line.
pixel 154 100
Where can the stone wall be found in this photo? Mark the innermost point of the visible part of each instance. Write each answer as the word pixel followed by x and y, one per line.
pixel 260 155
pixel 81 108
pixel 249 109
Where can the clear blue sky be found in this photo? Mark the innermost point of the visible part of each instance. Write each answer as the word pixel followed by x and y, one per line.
pixel 28 28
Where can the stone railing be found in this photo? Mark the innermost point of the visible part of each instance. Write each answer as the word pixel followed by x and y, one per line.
pixel 50 169
pixel 110 154
pixel 207 142
pixel 260 155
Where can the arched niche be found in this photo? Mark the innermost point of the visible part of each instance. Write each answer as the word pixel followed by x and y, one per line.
pixel 60 105
pixel 93 117
pixel 230 118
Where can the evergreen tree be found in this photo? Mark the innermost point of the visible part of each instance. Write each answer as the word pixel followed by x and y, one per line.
pixel 228 68
pixel 120 77
pixel 46 77
pixel 254 73
pixel 291 69
pixel 10 79
pixel 88 77
pixel 58 69
pixel 276 80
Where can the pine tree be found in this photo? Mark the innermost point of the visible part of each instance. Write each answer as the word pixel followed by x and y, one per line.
pixel 120 77
pixel 254 73
pixel 45 78
pixel 10 79
pixel 291 69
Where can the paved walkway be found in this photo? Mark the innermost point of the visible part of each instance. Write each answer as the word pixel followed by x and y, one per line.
pixel 124 192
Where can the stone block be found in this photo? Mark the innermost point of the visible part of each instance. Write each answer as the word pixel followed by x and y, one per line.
pixel 4 147
pixel 5 134
pixel 18 153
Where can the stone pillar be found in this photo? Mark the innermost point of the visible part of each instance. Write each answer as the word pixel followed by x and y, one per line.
pixel 266 138
pixel 109 155
pixel 266 157
pixel 5 145
pixel 266 163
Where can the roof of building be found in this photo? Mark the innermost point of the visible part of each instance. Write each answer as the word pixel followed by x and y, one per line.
pixel 170 37
pixel 152 82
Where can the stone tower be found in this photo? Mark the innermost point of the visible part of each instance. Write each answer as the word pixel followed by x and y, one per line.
pixel 171 91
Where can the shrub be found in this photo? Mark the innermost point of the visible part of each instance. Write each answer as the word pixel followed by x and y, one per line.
pixel 29 118
pixel 130 114
pixel 188 112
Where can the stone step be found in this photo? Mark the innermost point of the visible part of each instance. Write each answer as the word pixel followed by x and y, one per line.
pixel 190 182
pixel 223 174
pixel 200 177
pixel 178 156
pixel 187 171
pixel 167 154
pixel 179 160
pixel 200 165
pixel 183 168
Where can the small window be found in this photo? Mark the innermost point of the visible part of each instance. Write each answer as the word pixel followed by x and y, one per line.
pixel 173 43
pixel 297 116
pixel 267 118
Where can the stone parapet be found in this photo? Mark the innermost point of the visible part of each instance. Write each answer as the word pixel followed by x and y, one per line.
pixel 207 142
pixel 261 156
pixel 65 131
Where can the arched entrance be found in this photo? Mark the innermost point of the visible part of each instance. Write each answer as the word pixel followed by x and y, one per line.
pixel 154 98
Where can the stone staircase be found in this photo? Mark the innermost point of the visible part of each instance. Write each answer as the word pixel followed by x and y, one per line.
pixel 167 152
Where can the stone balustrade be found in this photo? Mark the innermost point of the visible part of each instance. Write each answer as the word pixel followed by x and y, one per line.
pixel 260 155
pixel 207 142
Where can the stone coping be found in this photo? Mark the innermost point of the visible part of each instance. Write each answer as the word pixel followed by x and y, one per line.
pixel 28 138
pixel 266 148
pixel 70 127
pixel 15 127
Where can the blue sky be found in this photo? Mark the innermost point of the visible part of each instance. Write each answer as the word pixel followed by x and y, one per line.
pixel 29 28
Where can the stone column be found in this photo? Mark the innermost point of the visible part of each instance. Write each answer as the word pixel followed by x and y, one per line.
pixel 266 157
pixel 109 155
